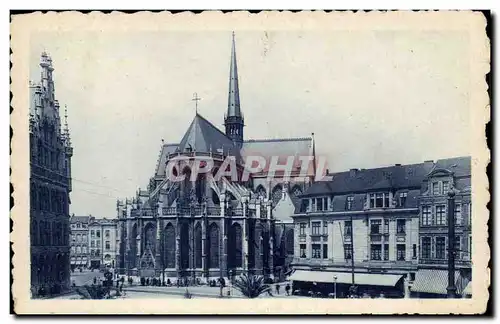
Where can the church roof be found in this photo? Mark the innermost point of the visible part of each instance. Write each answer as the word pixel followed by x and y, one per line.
pixel 203 136
pixel 166 150
pixel 282 148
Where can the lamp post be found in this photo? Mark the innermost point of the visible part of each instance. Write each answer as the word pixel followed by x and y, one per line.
pixel 335 287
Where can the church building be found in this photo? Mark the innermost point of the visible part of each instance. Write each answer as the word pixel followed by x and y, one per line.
pixel 205 228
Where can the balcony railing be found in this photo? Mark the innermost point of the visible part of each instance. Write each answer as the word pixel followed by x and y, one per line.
pixel 444 261
pixel 169 211
pixel 213 211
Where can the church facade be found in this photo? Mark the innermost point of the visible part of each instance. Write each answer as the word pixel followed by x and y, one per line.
pixel 205 227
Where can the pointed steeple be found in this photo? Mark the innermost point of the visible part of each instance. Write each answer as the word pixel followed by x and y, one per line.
pixel 233 104
pixel 233 120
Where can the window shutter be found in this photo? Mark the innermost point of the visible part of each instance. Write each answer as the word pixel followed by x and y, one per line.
pixel 463 244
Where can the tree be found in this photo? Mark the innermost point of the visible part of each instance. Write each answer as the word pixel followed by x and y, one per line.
pixel 251 286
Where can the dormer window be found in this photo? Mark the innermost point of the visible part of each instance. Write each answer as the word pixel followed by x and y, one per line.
pixel 350 200
pixel 379 200
pixel 446 187
pixel 435 188
pixel 321 204
pixel 402 198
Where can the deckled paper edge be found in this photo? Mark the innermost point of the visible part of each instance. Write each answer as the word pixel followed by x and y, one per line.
pixel 23 26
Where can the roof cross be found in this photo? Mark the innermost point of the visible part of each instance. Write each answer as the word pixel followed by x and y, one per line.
pixel 196 99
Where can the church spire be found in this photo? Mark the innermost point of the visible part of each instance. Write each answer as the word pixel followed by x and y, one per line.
pixel 234 118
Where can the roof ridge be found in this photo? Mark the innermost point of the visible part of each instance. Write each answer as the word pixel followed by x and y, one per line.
pixel 211 124
pixel 290 139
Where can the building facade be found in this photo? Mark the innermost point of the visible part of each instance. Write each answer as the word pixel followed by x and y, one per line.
pixel 79 241
pixel 432 277
pixel 102 243
pixel 369 222
pixel 204 228
pixel 50 187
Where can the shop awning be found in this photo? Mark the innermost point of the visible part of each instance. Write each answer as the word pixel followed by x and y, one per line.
pixel 432 281
pixel 373 279
pixel 468 289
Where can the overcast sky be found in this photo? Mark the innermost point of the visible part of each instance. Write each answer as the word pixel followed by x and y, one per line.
pixel 372 98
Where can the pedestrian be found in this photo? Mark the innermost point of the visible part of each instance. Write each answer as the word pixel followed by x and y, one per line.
pixel 277 289
pixel 287 289
pixel 95 280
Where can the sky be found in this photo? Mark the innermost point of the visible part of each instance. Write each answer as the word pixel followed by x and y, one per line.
pixel 372 98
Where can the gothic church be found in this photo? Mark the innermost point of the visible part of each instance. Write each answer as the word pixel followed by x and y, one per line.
pixel 206 229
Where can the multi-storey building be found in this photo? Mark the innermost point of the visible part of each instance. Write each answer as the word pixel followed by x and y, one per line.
pixel 367 222
pixel 79 241
pixel 432 277
pixel 50 186
pixel 102 242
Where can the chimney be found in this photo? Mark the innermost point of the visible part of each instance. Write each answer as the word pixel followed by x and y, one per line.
pixel 397 164
pixel 353 172
pixel 429 163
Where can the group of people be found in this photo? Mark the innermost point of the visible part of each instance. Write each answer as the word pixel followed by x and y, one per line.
pixel 277 288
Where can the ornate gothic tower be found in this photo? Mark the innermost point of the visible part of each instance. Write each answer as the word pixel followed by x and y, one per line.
pixel 233 120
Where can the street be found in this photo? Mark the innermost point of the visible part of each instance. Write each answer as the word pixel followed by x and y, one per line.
pixel 196 291
pixel 86 277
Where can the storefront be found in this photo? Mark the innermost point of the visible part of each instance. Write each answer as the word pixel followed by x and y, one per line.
pixel 432 283
pixel 337 284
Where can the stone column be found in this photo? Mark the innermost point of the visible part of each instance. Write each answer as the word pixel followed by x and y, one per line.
pixel 271 239
pixel 245 238
pixel 204 260
pixel 158 264
pixel 127 264
pixel 178 249
pixel 223 253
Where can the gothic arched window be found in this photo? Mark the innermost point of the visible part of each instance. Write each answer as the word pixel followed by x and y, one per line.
pixel 296 191
pixel 235 246
pixel 214 246
pixel 277 194
pixel 198 246
pixel 261 191
pixel 185 246
pixel 169 246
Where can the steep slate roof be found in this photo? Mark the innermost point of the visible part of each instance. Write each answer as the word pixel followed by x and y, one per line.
pixel 166 150
pixel 203 136
pixel 393 177
pixel 282 148
pixel 79 219
pixel 461 166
